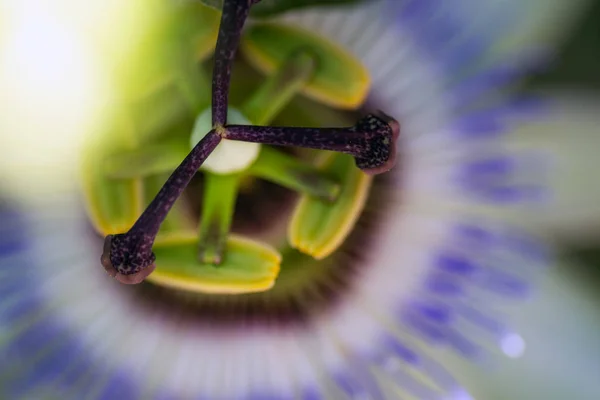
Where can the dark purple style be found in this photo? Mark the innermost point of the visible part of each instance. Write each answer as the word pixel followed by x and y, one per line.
pixel 372 141
pixel 128 257
pixel 233 18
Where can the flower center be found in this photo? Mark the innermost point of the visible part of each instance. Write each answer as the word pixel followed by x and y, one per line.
pixel 305 287
pixel 333 191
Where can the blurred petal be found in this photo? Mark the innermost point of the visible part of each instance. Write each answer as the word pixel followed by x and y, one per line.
pixel 563 354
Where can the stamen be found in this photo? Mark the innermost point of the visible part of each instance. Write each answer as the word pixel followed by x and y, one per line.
pixel 128 257
pixel 372 141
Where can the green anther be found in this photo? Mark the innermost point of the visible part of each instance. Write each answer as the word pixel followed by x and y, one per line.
pixel 218 204
pixel 248 266
pixel 339 80
pixel 319 228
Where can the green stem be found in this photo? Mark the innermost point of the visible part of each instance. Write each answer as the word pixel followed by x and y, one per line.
pixel 218 205
pixel 292 173
pixel 280 88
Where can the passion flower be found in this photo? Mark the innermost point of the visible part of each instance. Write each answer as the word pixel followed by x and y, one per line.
pixel 294 274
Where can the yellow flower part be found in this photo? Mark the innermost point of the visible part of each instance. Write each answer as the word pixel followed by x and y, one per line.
pixel 340 80
pixel 248 266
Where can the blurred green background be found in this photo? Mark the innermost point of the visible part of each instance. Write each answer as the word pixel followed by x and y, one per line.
pixel 578 64
pixel 577 69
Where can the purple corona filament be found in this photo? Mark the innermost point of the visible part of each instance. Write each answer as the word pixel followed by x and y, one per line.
pixel 372 141
pixel 128 257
